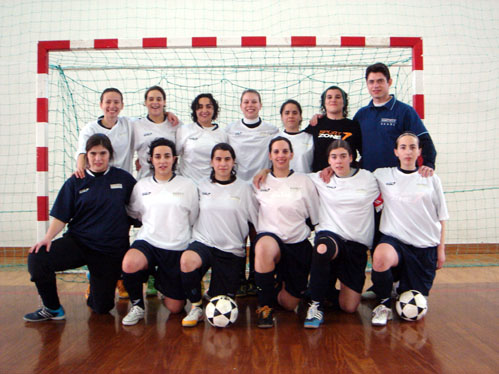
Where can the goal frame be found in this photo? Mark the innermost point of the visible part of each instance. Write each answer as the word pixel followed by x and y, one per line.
pixel 45 47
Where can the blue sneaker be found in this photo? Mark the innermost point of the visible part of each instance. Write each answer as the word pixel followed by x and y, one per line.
pixel 45 314
pixel 315 317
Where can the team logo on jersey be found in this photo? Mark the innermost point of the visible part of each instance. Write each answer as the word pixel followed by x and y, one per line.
pixel 388 121
pixel 178 194
pixel 147 133
pixel 238 133
pixel 205 193
pixel 332 187
pixel 146 193
pixel 330 134
pixel 193 138
pixel 390 183
pixel 83 190
pixel 116 186
pixel 265 189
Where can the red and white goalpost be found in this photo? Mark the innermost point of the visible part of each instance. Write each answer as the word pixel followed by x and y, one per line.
pixel 46 48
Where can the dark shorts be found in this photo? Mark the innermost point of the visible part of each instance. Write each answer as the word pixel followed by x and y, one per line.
pixel 164 264
pixel 417 266
pixel 350 264
pixel 294 267
pixel 225 268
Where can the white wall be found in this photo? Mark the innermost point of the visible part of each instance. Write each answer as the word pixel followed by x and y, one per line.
pixel 461 52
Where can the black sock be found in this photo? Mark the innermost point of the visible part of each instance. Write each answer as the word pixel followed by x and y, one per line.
pixel 191 282
pixel 265 284
pixel 382 285
pixel 133 284
pixel 322 272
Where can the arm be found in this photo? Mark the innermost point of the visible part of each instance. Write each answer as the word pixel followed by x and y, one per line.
pixel 315 119
pixel 326 174
pixel 428 153
pixel 80 166
pixel 172 118
pixel 441 247
pixel 260 177
pixel 55 228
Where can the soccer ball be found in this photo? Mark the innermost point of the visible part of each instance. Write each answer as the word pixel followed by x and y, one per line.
pixel 411 305
pixel 221 311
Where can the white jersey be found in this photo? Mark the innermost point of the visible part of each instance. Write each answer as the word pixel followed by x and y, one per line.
pixel 413 207
pixel 224 213
pixel 251 146
pixel 285 204
pixel 167 211
pixel 144 132
pixel 194 145
pixel 121 136
pixel 346 206
pixel 303 150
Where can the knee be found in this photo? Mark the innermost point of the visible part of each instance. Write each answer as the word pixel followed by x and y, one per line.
pixel 349 307
pixel 131 264
pixel 174 306
pixel 188 263
pixel 380 262
pixel 37 265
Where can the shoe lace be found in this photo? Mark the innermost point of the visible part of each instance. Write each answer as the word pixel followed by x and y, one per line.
pixel 313 311
pixel 264 311
pixel 380 310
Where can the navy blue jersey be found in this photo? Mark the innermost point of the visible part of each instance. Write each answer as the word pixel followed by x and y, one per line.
pixel 381 126
pixel 95 209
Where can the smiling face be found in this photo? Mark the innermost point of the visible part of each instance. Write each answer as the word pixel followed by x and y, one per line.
pixel 251 105
pixel 155 104
pixel 408 151
pixel 333 102
pixel 280 155
pixel 378 87
pixel 291 117
pixel 98 159
pixel 222 163
pixel 162 160
pixel 205 111
pixel 340 160
pixel 111 106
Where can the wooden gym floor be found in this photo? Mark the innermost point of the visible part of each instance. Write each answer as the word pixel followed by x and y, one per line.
pixel 458 335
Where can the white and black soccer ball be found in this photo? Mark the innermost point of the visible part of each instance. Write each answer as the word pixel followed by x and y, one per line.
pixel 411 305
pixel 221 311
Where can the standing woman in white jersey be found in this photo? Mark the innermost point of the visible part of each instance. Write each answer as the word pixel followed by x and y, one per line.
pixel 250 137
pixel 226 205
pixel 286 201
pixel 155 125
pixel 196 140
pixel 167 205
pixel 303 143
pixel 412 227
pixel 344 234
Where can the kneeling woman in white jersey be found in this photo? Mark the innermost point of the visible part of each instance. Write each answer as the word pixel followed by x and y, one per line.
pixel 226 205
pixel 344 233
pixel 167 205
pixel 412 228
pixel 286 200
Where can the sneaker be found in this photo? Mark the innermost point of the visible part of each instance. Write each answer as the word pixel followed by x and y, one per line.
pixel 243 290
pixel 134 315
pixel 122 292
pixel 151 290
pixel 265 317
pixel 251 289
pixel 315 317
pixel 45 314
pixel 194 316
pixel 87 292
pixel 381 314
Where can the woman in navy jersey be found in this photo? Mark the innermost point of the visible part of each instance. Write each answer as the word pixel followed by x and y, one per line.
pixel 167 205
pixel 196 140
pixel 226 206
pixel 282 250
pixel 344 234
pixel 412 227
pixel 94 208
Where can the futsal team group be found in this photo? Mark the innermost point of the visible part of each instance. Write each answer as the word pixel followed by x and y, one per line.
pixel 203 192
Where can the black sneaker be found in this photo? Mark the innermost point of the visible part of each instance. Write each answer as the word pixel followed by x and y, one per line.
pixel 265 317
pixel 45 314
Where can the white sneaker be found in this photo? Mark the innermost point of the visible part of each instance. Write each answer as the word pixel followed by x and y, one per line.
pixel 134 315
pixel 381 314
pixel 194 316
